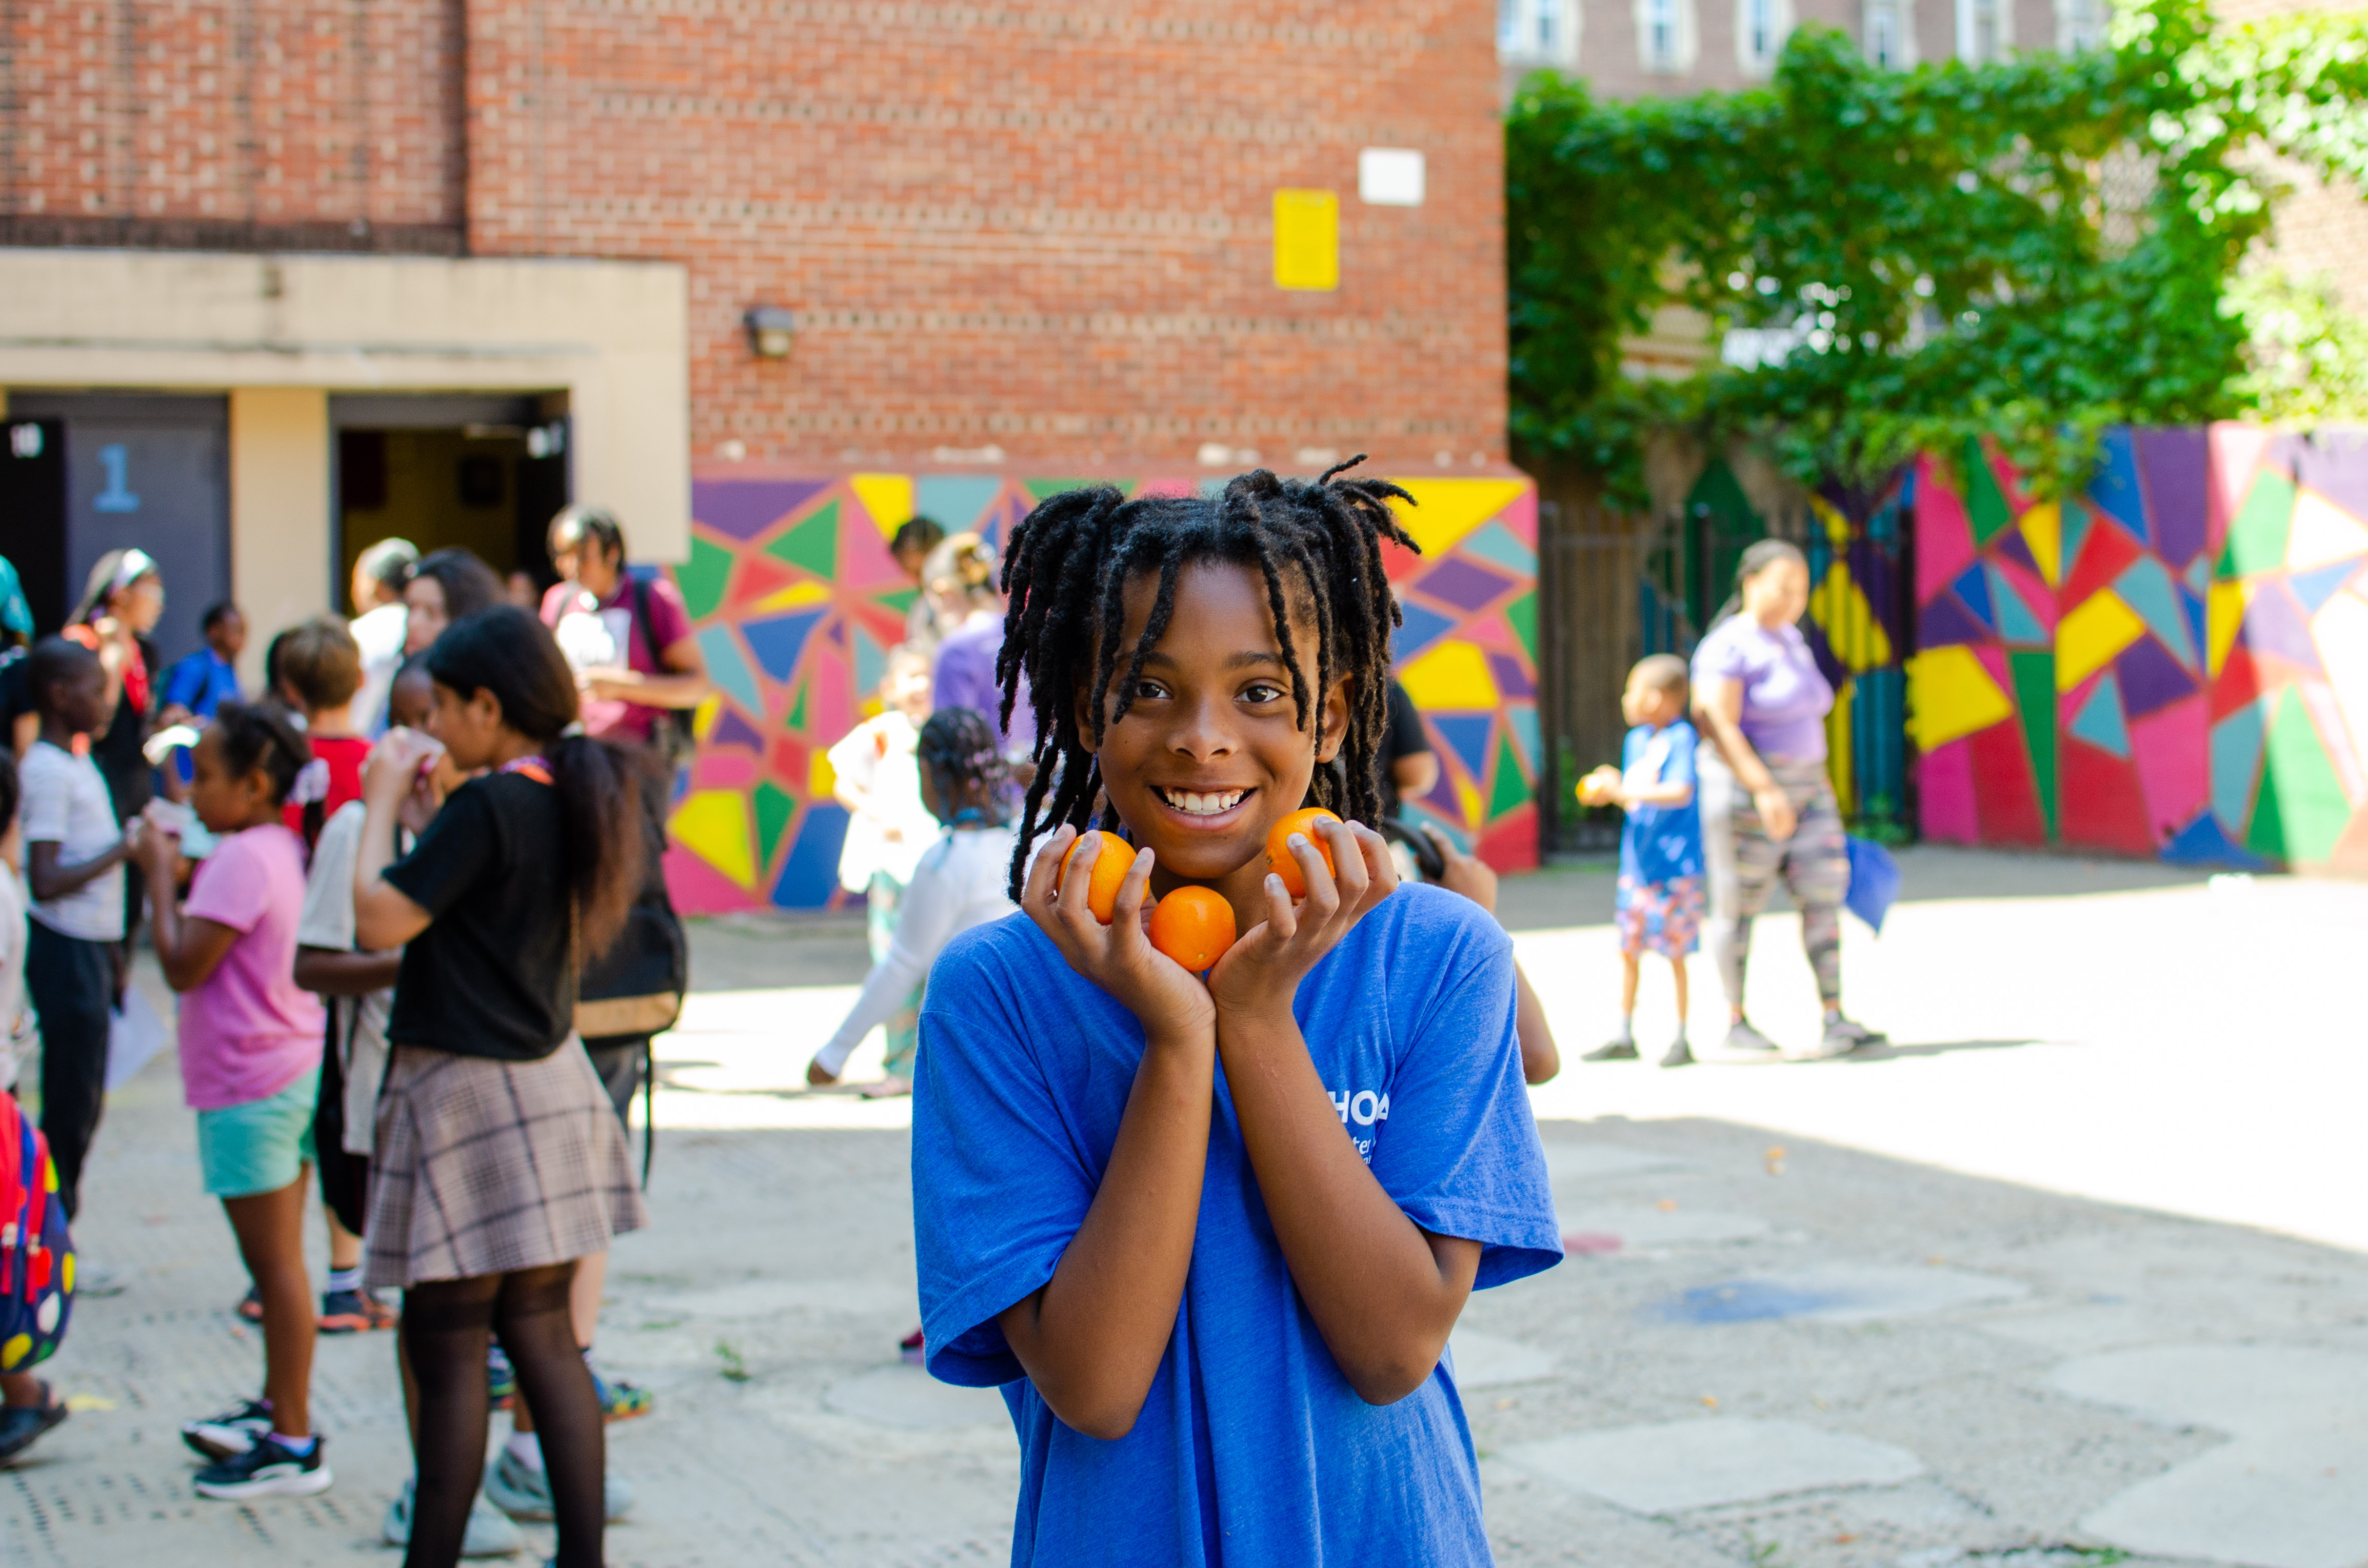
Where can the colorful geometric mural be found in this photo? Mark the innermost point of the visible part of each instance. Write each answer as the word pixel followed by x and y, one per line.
pixel 795 602
pixel 2174 663
pixel 1859 616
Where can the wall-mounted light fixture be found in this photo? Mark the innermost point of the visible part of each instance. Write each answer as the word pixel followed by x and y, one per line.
pixel 770 329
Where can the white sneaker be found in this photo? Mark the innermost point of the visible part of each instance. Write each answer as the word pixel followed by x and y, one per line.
pixel 490 1533
pixel 1841 1038
pixel 1742 1037
pixel 525 1493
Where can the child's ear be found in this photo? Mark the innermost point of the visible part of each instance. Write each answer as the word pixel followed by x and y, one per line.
pixel 1333 718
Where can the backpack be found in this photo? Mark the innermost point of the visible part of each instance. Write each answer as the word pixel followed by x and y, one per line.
pixel 671 734
pixel 37 1265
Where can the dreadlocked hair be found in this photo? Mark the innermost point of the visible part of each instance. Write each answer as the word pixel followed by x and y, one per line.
pixel 962 752
pixel 1067 572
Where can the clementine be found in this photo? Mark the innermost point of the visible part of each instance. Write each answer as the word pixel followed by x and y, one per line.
pixel 1278 858
pixel 1192 925
pixel 1110 865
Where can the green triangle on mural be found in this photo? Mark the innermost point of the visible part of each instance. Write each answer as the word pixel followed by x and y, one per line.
pixel 2301 810
pixel 1986 507
pixel 775 807
pixel 797 718
pixel 812 544
pixel 1523 613
pixel 1510 788
pixel 899 601
pixel 2034 699
pixel 1046 489
pixel 2257 535
pixel 704 577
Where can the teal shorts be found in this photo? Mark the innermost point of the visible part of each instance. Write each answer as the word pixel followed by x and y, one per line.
pixel 259 1146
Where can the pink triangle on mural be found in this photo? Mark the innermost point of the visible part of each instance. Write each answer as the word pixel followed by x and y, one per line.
pixel 1944 537
pixel 863 558
pixel 1492 632
pixel 699 889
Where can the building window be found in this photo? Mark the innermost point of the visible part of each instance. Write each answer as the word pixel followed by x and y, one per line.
pixel 1889 36
pixel 2079 24
pixel 1537 32
pixel 1665 35
pixel 1761 29
pixel 1985 30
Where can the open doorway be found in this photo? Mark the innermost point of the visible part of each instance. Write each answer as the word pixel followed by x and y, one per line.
pixel 482 472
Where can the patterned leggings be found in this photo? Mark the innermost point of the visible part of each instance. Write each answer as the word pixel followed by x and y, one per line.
pixel 1743 863
pixel 883 900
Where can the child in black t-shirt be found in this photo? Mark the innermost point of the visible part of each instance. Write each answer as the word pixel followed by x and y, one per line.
pixel 498 1161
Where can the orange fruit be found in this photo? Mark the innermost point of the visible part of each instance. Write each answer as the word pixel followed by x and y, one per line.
pixel 1192 925
pixel 1278 858
pixel 1110 869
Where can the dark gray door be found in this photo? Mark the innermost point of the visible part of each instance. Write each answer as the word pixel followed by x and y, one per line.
pixel 150 472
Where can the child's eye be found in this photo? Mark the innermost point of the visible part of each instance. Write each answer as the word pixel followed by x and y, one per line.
pixel 1148 690
pixel 1262 691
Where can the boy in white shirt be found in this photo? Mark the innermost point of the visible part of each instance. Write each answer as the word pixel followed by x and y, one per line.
pixel 76 851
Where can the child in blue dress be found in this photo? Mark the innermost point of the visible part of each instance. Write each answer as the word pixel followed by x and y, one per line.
pixel 1210 1236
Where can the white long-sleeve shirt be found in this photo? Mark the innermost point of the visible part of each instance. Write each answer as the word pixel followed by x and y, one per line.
pixel 960 883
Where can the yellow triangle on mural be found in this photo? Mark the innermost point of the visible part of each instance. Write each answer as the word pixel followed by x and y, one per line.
pixel 1837 526
pixel 2224 612
pixel 2092 635
pixel 1447 509
pixel 795 597
pixel 1841 612
pixel 2321 533
pixel 887 497
pixel 1453 675
pixel 713 826
pixel 2043 534
pixel 1951 695
pixel 702 717
pixel 1470 798
pixel 822 778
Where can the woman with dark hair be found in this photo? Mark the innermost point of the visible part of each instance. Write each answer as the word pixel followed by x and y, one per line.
pixel 1767 806
pixel 498 1161
pixel 447 585
pixel 122 603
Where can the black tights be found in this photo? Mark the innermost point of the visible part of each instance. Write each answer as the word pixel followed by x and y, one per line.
pixel 445 1326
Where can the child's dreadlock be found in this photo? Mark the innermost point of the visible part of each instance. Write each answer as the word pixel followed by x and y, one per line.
pixel 1067 573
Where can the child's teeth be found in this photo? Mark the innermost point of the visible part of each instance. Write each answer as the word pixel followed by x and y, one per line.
pixel 1200 805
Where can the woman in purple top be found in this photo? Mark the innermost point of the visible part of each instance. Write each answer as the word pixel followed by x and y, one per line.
pixel 1767 805
pixel 960 578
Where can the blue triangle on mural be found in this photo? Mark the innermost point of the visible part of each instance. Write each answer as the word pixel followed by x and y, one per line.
pixel 2015 621
pixel 728 668
pixel 2199 573
pixel 956 500
pixel 1422 627
pixel 1467 736
pixel 2115 490
pixel 1974 589
pixel 2197 619
pixel 2100 721
pixel 2144 585
pixel 2203 843
pixel 2318 585
pixel 778 642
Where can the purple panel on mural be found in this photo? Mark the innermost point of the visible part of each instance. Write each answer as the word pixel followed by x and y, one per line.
pixel 1511 679
pixel 1457 582
pixel 1945 620
pixel 2176 467
pixel 747 507
pixel 2015 548
pixel 2151 677
pixel 2335 463
pixel 730 730
pixel 2274 623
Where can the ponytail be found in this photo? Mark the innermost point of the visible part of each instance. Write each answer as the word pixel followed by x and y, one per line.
pixel 1758 556
pixel 508 652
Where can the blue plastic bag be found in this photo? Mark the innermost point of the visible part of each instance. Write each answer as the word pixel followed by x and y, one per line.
pixel 1873 881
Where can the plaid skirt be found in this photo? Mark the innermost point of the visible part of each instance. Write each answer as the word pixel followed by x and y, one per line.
pixel 485 1166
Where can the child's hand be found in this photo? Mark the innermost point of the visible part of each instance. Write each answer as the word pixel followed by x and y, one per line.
pixel 155 850
pixel 1466 874
pixel 394 765
pixel 1262 972
pixel 1601 787
pixel 1118 957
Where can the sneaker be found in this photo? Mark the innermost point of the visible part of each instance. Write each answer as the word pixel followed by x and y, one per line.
pixel 229 1434
pixel 1841 1038
pixel 1742 1037
pixel 1620 1050
pixel 913 1348
pixel 98 1280
pixel 525 1493
pixel 501 1380
pixel 490 1532
pixel 267 1470
pixel 22 1425
pixel 1679 1053
pixel 354 1312
pixel 1857 1031
pixel 621 1401
pixel 250 1306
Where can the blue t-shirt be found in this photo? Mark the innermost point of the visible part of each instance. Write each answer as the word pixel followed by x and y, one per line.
pixel 1252 1446
pixel 1658 843
pixel 202 682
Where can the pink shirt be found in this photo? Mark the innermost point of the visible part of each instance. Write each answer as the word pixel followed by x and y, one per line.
pixel 607 633
pixel 248 1031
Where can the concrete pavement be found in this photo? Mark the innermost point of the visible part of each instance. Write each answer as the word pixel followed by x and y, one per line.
pixel 2073 1269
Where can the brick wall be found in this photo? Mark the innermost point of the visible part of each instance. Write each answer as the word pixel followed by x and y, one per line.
pixel 270 124
pixel 1039 226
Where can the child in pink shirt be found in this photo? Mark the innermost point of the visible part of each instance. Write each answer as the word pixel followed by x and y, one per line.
pixel 251 1068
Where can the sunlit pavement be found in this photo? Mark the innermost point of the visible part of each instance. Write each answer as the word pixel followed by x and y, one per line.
pixel 2068 1271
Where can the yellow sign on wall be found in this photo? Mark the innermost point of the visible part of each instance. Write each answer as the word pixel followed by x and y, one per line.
pixel 1306 239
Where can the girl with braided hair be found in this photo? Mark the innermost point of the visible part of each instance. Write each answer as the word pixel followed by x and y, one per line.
pixel 957 883
pixel 1218 1302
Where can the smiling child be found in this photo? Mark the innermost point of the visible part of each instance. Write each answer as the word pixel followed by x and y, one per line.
pixel 1210 1237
